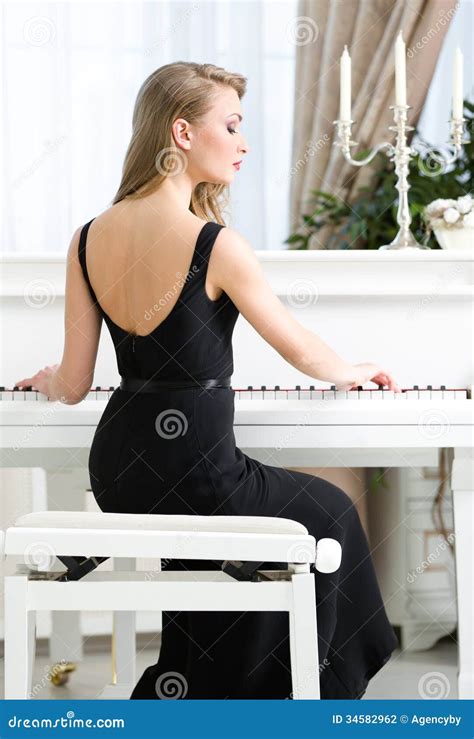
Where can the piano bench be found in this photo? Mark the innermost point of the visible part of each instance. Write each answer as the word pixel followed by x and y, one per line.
pixel 234 540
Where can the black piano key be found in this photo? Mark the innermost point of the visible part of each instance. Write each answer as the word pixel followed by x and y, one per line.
pixel 443 387
pixel 333 387
pixel 263 387
pixel 277 387
pixel 312 387
pixel 297 387
pixel 360 387
pixel 415 387
pixel 429 387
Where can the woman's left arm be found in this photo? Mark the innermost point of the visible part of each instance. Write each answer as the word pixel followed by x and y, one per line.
pixel 71 380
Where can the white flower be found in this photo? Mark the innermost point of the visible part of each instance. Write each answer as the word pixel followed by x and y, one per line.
pixel 436 207
pixel 464 204
pixel 451 215
pixel 468 219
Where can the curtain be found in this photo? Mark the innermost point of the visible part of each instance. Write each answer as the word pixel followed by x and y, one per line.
pixel 369 28
pixel 70 74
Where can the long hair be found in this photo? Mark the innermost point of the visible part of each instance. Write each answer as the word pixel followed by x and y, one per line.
pixel 177 90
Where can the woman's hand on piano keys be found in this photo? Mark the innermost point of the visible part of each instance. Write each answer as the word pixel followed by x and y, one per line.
pixel 368 372
pixel 40 381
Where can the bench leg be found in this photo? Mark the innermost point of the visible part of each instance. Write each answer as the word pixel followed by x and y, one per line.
pixel 124 625
pixel 304 638
pixel 462 484
pixel 20 641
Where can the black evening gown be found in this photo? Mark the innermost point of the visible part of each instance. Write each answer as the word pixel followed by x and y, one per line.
pixel 173 451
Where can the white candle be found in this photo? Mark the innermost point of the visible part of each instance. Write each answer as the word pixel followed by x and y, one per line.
pixel 345 91
pixel 400 72
pixel 458 84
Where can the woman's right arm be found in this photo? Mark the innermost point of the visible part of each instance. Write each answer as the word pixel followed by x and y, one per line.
pixel 236 269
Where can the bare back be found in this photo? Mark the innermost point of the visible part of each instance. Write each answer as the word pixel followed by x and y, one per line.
pixel 137 259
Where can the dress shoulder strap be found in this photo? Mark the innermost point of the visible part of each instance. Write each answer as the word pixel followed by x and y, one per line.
pixel 82 259
pixel 205 244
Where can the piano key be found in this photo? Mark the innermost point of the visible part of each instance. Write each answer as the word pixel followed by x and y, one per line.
pixel 330 394
pixel 341 394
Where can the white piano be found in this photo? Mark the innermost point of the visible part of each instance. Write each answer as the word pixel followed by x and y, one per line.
pixel 412 312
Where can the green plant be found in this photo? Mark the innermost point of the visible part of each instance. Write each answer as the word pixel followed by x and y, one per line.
pixel 370 219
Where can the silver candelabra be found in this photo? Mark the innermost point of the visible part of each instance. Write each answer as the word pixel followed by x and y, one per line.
pixel 401 154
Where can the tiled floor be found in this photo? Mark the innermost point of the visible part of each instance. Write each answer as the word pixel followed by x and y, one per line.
pixel 407 675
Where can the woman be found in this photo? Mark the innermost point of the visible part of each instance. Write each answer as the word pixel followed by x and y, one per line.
pixel 170 279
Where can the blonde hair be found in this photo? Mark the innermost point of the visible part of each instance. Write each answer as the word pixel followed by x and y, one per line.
pixel 178 90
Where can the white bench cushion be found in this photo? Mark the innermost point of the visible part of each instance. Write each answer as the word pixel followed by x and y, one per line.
pixel 160 522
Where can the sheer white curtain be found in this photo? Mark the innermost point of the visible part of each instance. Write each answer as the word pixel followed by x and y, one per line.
pixel 433 124
pixel 70 74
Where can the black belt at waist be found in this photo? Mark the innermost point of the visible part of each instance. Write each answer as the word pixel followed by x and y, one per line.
pixel 140 385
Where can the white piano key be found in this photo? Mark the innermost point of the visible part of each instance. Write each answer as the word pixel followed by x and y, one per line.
pixel 305 395
pixel 7 395
pixel 317 395
pixel 31 394
pixel 389 394
pixel 376 394
pixel 280 395
pixel 460 394
pixel 424 394
pixel 329 394
pixel 411 394
pixel 102 395
pixel 293 394
pixel 449 394
pixel 341 394
pixel 364 394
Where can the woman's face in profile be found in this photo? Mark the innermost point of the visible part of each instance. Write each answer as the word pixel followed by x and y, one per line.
pixel 213 146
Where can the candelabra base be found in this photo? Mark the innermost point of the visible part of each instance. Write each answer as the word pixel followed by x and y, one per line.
pixel 404 240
